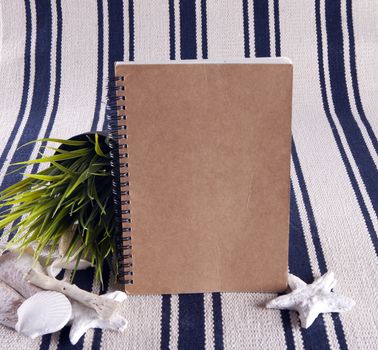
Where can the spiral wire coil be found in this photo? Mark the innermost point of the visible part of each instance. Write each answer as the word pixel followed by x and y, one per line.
pixel 116 115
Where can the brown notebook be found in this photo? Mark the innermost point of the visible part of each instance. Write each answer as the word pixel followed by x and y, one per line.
pixel 204 159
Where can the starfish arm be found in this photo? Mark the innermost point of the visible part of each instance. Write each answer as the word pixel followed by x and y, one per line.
pixel 82 319
pixel 336 303
pixel 295 282
pixel 308 316
pixel 326 282
pixel 117 322
pixel 78 328
pixel 85 318
pixel 282 302
pixel 117 295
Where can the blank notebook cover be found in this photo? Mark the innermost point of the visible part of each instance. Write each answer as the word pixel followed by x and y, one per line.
pixel 204 178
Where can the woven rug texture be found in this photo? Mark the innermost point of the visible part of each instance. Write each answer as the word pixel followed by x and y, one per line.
pixel 55 60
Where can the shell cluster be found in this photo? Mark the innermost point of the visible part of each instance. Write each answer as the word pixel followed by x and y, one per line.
pixel 33 311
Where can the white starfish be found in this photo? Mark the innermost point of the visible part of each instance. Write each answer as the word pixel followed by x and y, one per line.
pixel 310 300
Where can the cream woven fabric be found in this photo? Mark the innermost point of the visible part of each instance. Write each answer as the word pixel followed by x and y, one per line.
pixel 55 59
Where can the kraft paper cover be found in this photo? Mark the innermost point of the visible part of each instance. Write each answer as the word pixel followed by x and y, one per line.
pixel 208 162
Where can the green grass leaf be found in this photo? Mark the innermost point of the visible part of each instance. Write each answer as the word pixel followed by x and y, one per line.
pixel 48 178
pixel 58 157
pixel 75 188
pixel 62 141
pixel 98 148
pixel 63 169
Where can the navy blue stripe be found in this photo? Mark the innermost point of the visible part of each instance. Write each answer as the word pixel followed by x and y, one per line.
pixel 191 322
pixel 299 260
pixel 116 36
pixel 336 135
pixel 218 324
pixel 353 67
pixel 41 87
pixel 277 32
pixel 58 65
pixel 131 31
pixel 100 63
pixel 247 51
pixel 299 265
pixel 165 321
pixel 310 213
pixel 204 29
pixel 26 83
pixel 286 322
pixel 45 342
pixel 58 72
pixel 64 342
pixel 172 30
pixel 188 29
pixel 261 21
pixel 339 329
pixel 316 239
pixel 340 97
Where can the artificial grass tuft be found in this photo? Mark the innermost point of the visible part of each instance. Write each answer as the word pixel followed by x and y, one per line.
pixel 75 188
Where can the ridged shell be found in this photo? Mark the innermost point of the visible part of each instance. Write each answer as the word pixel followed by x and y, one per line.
pixel 43 313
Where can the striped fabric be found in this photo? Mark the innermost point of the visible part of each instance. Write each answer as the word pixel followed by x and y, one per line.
pixel 55 59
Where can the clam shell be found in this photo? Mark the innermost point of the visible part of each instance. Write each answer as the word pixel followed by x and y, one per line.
pixel 43 313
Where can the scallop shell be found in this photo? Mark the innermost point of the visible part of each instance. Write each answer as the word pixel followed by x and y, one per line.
pixel 43 313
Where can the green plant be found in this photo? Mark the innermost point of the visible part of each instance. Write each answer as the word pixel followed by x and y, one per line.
pixel 74 188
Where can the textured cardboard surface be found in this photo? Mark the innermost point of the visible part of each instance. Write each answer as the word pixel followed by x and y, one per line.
pixel 209 160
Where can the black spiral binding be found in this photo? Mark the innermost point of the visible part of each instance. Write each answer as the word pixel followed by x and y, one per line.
pixel 116 111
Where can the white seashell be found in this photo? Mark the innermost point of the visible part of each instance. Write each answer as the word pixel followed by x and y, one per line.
pixel 10 301
pixel 13 268
pixel 43 313
pixel 62 263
